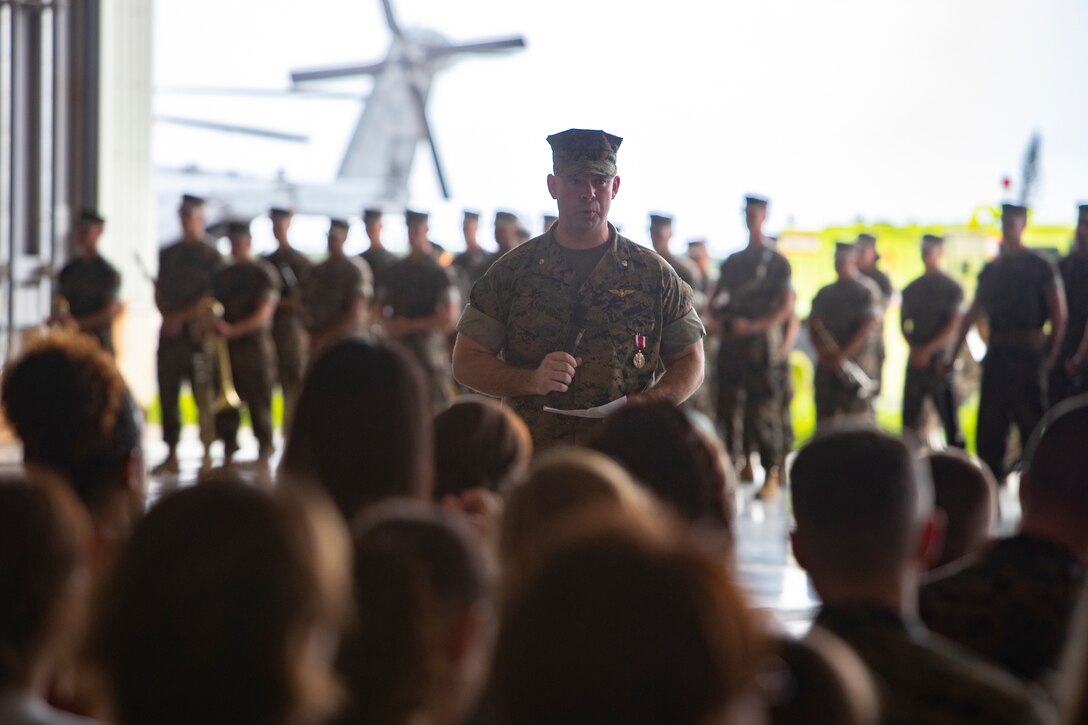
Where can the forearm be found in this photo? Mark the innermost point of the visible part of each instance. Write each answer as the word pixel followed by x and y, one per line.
pixel 778 315
pixel 102 317
pixel 480 370
pixel 857 341
pixel 966 323
pixel 943 337
pixel 683 375
pixel 441 321
pixel 1058 315
pixel 259 320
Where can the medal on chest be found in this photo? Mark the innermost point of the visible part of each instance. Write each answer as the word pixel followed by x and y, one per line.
pixel 640 343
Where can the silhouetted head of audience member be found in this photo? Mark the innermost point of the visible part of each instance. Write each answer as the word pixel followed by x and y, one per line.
pixel 1053 494
pixel 478 443
pixel 620 620
pixel 864 515
pixel 662 447
pixel 42 575
pixel 821 680
pixel 561 482
pixel 966 492
pixel 224 608
pixel 362 428
pixel 73 413
pixel 422 639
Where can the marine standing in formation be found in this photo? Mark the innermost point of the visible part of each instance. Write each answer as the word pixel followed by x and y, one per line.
pixel 841 323
pixel 248 289
pixel 1018 292
pixel 867 259
pixel 186 268
pixel 288 329
pixel 641 336
pixel 90 284
pixel 930 317
pixel 752 299
pixel 660 236
pixel 337 292
pixel 422 304
pixel 1067 376
pixel 377 257
pixel 470 264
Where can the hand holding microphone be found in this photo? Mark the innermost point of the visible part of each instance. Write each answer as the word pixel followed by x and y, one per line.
pixel 556 371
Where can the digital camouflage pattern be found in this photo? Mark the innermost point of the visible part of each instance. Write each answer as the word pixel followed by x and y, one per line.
pixel 89 285
pixel 469 267
pixel 1074 272
pixel 185 276
pixel 581 151
pixel 417 288
pixel 242 288
pixel 884 285
pixel 380 262
pixel 288 328
pixel 841 308
pixel 929 304
pixel 751 284
pixel 1012 291
pixel 331 288
pixel 1013 605
pixel 522 307
pixel 922 679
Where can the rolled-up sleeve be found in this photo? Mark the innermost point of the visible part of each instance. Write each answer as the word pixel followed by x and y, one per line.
pixel 482 329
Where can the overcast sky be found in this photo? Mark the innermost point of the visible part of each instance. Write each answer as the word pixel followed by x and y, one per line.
pixel 887 110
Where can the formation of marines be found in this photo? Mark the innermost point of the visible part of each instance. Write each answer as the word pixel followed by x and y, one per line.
pixel 505 321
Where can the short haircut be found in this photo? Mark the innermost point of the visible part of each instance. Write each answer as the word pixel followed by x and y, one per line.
pixel 622 622
pixel 478 443
pixel 41 548
pixel 209 612
pixel 1055 459
pixel 857 501
pixel 362 429
pixel 70 407
pixel 417 573
pixel 660 445
pixel 965 490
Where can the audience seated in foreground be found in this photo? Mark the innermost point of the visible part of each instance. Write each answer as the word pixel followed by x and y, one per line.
pixel 362 428
pixel 421 644
pixel 224 609
pixel 43 583
pixel 478 443
pixel 621 619
pixel 78 424
pixel 966 493
pixel 865 532
pixel 1014 603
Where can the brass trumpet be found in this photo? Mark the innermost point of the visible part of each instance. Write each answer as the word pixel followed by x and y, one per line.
pixel 849 372
pixel 213 351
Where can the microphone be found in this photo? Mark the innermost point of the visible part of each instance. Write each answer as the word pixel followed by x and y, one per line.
pixel 576 328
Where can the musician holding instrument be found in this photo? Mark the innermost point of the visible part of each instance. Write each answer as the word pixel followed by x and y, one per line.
pixel 752 299
pixel 844 315
pixel 185 279
pixel 89 284
pixel 248 290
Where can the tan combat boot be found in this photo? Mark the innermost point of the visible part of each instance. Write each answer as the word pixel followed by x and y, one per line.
pixel 770 485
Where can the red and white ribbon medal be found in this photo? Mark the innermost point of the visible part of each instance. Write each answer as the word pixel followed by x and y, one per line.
pixel 640 343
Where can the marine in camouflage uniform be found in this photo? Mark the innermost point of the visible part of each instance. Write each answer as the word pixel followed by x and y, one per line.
pixel 471 264
pixel 1067 377
pixel 867 259
pixel 1018 292
pixel 847 311
pixel 752 299
pixel 640 325
pixel 248 290
pixel 921 678
pixel 705 398
pixel 1013 605
pixel 288 330
pixel 660 236
pixel 90 284
pixel 186 268
pixel 378 259
pixel 930 316
pixel 335 293
pixel 422 303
